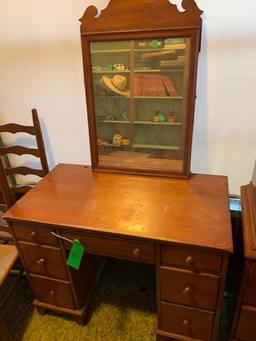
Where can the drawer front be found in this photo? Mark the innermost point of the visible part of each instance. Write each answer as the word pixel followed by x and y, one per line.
pixel 246 329
pixel 34 234
pixel 114 247
pixel 43 260
pixel 51 291
pixel 250 292
pixel 186 321
pixel 191 259
pixel 188 288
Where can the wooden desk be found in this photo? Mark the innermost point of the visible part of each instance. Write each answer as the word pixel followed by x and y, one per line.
pixel 182 226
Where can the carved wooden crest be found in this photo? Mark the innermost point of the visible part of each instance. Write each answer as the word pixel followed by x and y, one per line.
pixel 138 15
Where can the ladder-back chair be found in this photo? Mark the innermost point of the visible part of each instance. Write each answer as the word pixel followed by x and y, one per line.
pixel 10 188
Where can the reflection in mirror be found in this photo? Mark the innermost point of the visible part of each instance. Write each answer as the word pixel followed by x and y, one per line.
pixel 140 90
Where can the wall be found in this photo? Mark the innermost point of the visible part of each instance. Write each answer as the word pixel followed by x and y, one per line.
pixel 41 66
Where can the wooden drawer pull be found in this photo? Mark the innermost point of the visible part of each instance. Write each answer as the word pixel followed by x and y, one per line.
pixel 185 323
pixel 187 290
pixel 136 252
pixel 52 292
pixel 32 235
pixel 41 261
pixel 189 260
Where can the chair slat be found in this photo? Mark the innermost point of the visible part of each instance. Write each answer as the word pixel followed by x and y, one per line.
pixel 21 189
pixel 10 192
pixel 14 128
pixel 19 150
pixel 2 207
pixel 24 171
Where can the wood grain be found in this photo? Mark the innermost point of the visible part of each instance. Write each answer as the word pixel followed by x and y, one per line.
pixel 169 210
pixel 140 15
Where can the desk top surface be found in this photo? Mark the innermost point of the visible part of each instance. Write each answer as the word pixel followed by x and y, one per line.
pixel 191 211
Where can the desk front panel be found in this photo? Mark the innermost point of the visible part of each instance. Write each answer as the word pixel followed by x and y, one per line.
pixel 51 291
pixel 192 259
pixel 190 280
pixel 186 321
pixel 35 234
pixel 44 260
pixel 123 248
pixel 189 288
pixel 55 285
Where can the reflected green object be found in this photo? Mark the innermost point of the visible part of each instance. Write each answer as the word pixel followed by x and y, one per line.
pixel 154 43
pixel 161 117
pixel 124 115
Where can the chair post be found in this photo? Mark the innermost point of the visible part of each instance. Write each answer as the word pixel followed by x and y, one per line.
pixel 5 189
pixel 40 142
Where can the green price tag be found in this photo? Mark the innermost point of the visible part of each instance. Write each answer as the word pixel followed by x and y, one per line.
pixel 154 43
pixel 76 255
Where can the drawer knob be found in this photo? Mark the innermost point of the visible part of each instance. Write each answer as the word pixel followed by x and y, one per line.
pixel 187 290
pixel 185 323
pixel 136 252
pixel 32 235
pixel 52 292
pixel 189 260
pixel 41 261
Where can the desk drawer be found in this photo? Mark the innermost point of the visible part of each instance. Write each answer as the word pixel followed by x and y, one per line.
pixel 55 292
pixel 34 234
pixel 191 259
pixel 188 288
pixel 250 292
pixel 246 329
pixel 43 260
pixel 115 247
pixel 186 321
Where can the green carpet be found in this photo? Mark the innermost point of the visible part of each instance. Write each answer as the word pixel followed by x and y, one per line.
pixel 123 309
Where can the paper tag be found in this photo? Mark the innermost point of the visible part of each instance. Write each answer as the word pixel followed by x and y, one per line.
pixel 75 255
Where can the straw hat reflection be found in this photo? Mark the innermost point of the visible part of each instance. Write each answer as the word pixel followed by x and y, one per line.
pixel 117 84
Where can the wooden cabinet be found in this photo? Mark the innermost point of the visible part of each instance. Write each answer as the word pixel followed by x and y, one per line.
pixel 140 79
pixel 244 325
